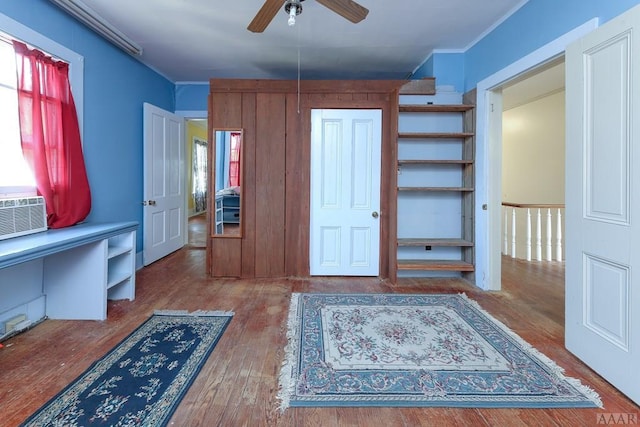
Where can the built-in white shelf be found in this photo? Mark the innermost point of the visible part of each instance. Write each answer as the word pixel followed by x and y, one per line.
pixel 435 187
pixel 68 273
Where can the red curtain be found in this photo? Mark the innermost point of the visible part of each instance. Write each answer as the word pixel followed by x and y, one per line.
pixel 234 160
pixel 51 136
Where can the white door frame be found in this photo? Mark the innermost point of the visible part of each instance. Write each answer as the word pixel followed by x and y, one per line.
pixel 488 203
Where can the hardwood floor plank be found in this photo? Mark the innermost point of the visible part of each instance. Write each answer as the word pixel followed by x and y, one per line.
pixel 238 384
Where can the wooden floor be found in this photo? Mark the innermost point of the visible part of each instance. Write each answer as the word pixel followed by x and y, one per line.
pixel 238 384
pixel 198 231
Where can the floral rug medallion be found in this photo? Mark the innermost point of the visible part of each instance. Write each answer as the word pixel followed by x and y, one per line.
pixel 360 337
pixel 414 350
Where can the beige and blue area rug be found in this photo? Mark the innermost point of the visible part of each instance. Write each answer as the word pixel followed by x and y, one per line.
pixel 141 381
pixel 414 350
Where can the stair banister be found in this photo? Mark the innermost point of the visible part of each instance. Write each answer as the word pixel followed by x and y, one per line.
pixel 550 243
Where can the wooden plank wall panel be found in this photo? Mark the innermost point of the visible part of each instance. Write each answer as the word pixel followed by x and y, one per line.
pixel 424 86
pixel 298 160
pixel 225 257
pixel 306 86
pixel 248 187
pixel 278 140
pixel 389 215
pixel 386 102
pixel 270 188
pixel 210 183
pixel 226 110
pixel 226 253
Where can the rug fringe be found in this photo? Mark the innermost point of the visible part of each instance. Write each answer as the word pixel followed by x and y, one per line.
pixel 553 366
pixel 287 385
pixel 197 313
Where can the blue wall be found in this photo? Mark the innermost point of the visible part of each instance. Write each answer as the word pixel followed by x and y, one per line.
pixel 448 68
pixel 192 96
pixel 537 23
pixel 115 87
pixel 426 69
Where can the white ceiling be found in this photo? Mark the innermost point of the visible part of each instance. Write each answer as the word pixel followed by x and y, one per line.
pixel 543 81
pixel 195 40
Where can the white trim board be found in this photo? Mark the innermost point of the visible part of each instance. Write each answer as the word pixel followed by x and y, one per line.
pixel 193 114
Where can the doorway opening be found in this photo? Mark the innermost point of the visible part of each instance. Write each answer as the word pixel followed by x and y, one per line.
pixel 489 236
pixel 198 231
pixel 533 165
pixel 196 143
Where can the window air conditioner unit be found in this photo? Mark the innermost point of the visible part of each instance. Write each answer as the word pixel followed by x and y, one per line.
pixel 22 216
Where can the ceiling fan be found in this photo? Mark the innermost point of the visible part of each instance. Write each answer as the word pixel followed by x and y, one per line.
pixel 348 9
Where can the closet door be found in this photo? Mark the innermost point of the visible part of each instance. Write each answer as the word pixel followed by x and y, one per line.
pixel 345 192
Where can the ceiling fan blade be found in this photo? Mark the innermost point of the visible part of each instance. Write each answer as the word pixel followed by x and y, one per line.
pixel 265 15
pixel 348 9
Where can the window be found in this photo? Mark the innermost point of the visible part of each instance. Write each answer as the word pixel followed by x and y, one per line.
pixel 15 175
pixel 11 29
pixel 199 190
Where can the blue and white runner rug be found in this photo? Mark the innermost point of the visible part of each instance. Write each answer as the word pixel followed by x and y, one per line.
pixel 141 381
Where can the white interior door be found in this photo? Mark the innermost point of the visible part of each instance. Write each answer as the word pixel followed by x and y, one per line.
pixel 603 202
pixel 345 192
pixel 164 184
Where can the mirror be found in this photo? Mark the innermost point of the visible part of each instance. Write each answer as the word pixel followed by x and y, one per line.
pixel 227 182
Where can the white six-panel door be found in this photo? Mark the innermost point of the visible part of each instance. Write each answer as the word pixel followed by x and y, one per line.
pixel 345 192
pixel 603 201
pixel 164 184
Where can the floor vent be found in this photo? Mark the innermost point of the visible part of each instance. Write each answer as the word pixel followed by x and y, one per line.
pixel 22 216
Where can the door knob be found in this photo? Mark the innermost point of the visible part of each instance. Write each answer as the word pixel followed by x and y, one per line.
pixel 374 214
pixel 152 202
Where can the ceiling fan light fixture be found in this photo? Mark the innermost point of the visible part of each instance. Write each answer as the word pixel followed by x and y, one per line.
pixel 348 9
pixel 293 8
pixel 292 16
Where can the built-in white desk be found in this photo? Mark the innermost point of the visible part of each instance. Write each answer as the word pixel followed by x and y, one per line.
pixel 67 273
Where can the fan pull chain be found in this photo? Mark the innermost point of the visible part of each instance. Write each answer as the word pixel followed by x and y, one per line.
pixel 298 79
pixel 298 69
